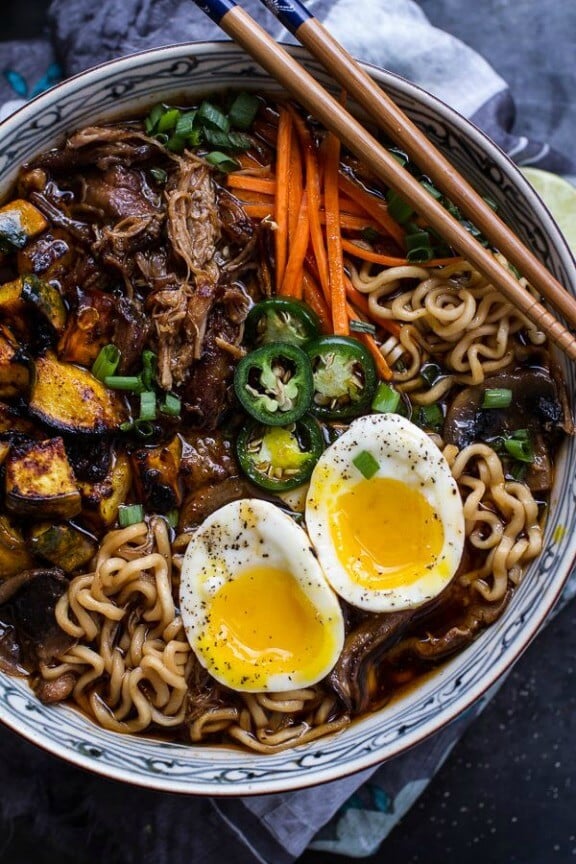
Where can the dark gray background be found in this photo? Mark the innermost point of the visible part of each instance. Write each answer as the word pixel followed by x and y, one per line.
pixel 507 794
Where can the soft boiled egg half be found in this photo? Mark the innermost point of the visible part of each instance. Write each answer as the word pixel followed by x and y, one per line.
pixel 256 607
pixel 385 515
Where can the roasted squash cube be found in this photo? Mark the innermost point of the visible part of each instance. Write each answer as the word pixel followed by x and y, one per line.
pixel 40 481
pixel 103 498
pixel 20 221
pixel 71 399
pixel 91 325
pixel 157 478
pixel 63 545
pixel 14 367
pixel 14 553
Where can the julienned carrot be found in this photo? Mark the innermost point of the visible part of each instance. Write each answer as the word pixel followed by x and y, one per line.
pixel 258 210
pixel 313 191
pixel 360 302
pixel 292 283
pixel 382 366
pixel 340 321
pixel 266 185
pixel 374 207
pixel 389 260
pixel 312 294
pixel 352 222
pixel 283 148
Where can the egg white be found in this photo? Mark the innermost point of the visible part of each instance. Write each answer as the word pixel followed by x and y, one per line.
pixel 411 466
pixel 234 564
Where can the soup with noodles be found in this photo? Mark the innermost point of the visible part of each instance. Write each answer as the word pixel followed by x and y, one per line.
pixel 270 449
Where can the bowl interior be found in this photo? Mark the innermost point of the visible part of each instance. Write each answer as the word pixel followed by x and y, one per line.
pixel 181 73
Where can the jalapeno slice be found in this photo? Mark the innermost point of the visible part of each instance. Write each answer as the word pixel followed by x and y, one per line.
pixel 280 458
pixel 281 319
pixel 344 377
pixel 274 383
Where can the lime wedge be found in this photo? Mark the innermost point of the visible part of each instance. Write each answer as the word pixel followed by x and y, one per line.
pixel 559 195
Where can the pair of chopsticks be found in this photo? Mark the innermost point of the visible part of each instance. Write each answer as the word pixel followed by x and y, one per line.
pixel 389 117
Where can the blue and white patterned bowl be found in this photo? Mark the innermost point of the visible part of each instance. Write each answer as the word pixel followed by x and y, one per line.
pixel 130 86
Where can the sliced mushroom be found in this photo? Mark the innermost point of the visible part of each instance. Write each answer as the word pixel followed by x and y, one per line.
pixel 538 405
pixel 362 648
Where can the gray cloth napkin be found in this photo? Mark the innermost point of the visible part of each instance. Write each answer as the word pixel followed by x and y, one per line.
pixel 354 815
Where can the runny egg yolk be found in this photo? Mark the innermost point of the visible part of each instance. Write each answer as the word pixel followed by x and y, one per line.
pixel 261 623
pixel 386 533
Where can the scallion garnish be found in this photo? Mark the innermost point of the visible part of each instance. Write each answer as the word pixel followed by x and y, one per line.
pixel 172 518
pixel 144 428
pixel 159 174
pixel 418 247
pixel 222 161
pixel 366 464
pixel 185 124
pixel 132 383
pixel 171 406
pixel 212 118
pixel 149 364
pixel 519 445
pixel 430 417
pixel 398 208
pixel 497 397
pixel 399 155
pixel 176 143
pixel 148 410
pixel 431 372
pixel 130 514
pixel 369 234
pixel 243 110
pixel 153 117
pixel 168 120
pixel 357 326
pixel 106 362
pixel 386 400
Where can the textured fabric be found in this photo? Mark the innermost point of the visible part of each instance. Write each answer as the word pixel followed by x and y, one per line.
pixel 354 815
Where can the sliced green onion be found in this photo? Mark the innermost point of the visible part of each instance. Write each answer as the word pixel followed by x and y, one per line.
pixel 185 124
pixel 519 446
pixel 366 464
pixel 222 161
pixel 430 188
pixel 132 383
pixel 398 208
pixel 176 143
pixel 243 110
pixel 235 141
pixel 162 137
pixel 172 405
pixel 106 362
pixel 159 174
pixel 148 409
pixel 418 246
pixel 172 518
pixel 431 372
pixel 362 326
pixel 144 428
pixel 153 117
pixel 168 120
pixel 212 118
pixel 130 514
pixel 399 155
pixel 149 365
pixel 430 417
pixel 128 426
pixel 386 400
pixel 497 397
pixel 369 234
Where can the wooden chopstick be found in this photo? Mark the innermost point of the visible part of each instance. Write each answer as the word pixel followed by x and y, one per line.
pixel 255 40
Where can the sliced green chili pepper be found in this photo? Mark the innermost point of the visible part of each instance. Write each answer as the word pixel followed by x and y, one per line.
pixel 281 319
pixel 274 383
pixel 344 377
pixel 280 458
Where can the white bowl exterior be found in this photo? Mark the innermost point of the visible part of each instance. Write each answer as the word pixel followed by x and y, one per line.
pixel 131 85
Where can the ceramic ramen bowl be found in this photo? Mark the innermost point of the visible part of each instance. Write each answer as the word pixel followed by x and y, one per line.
pixel 182 73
